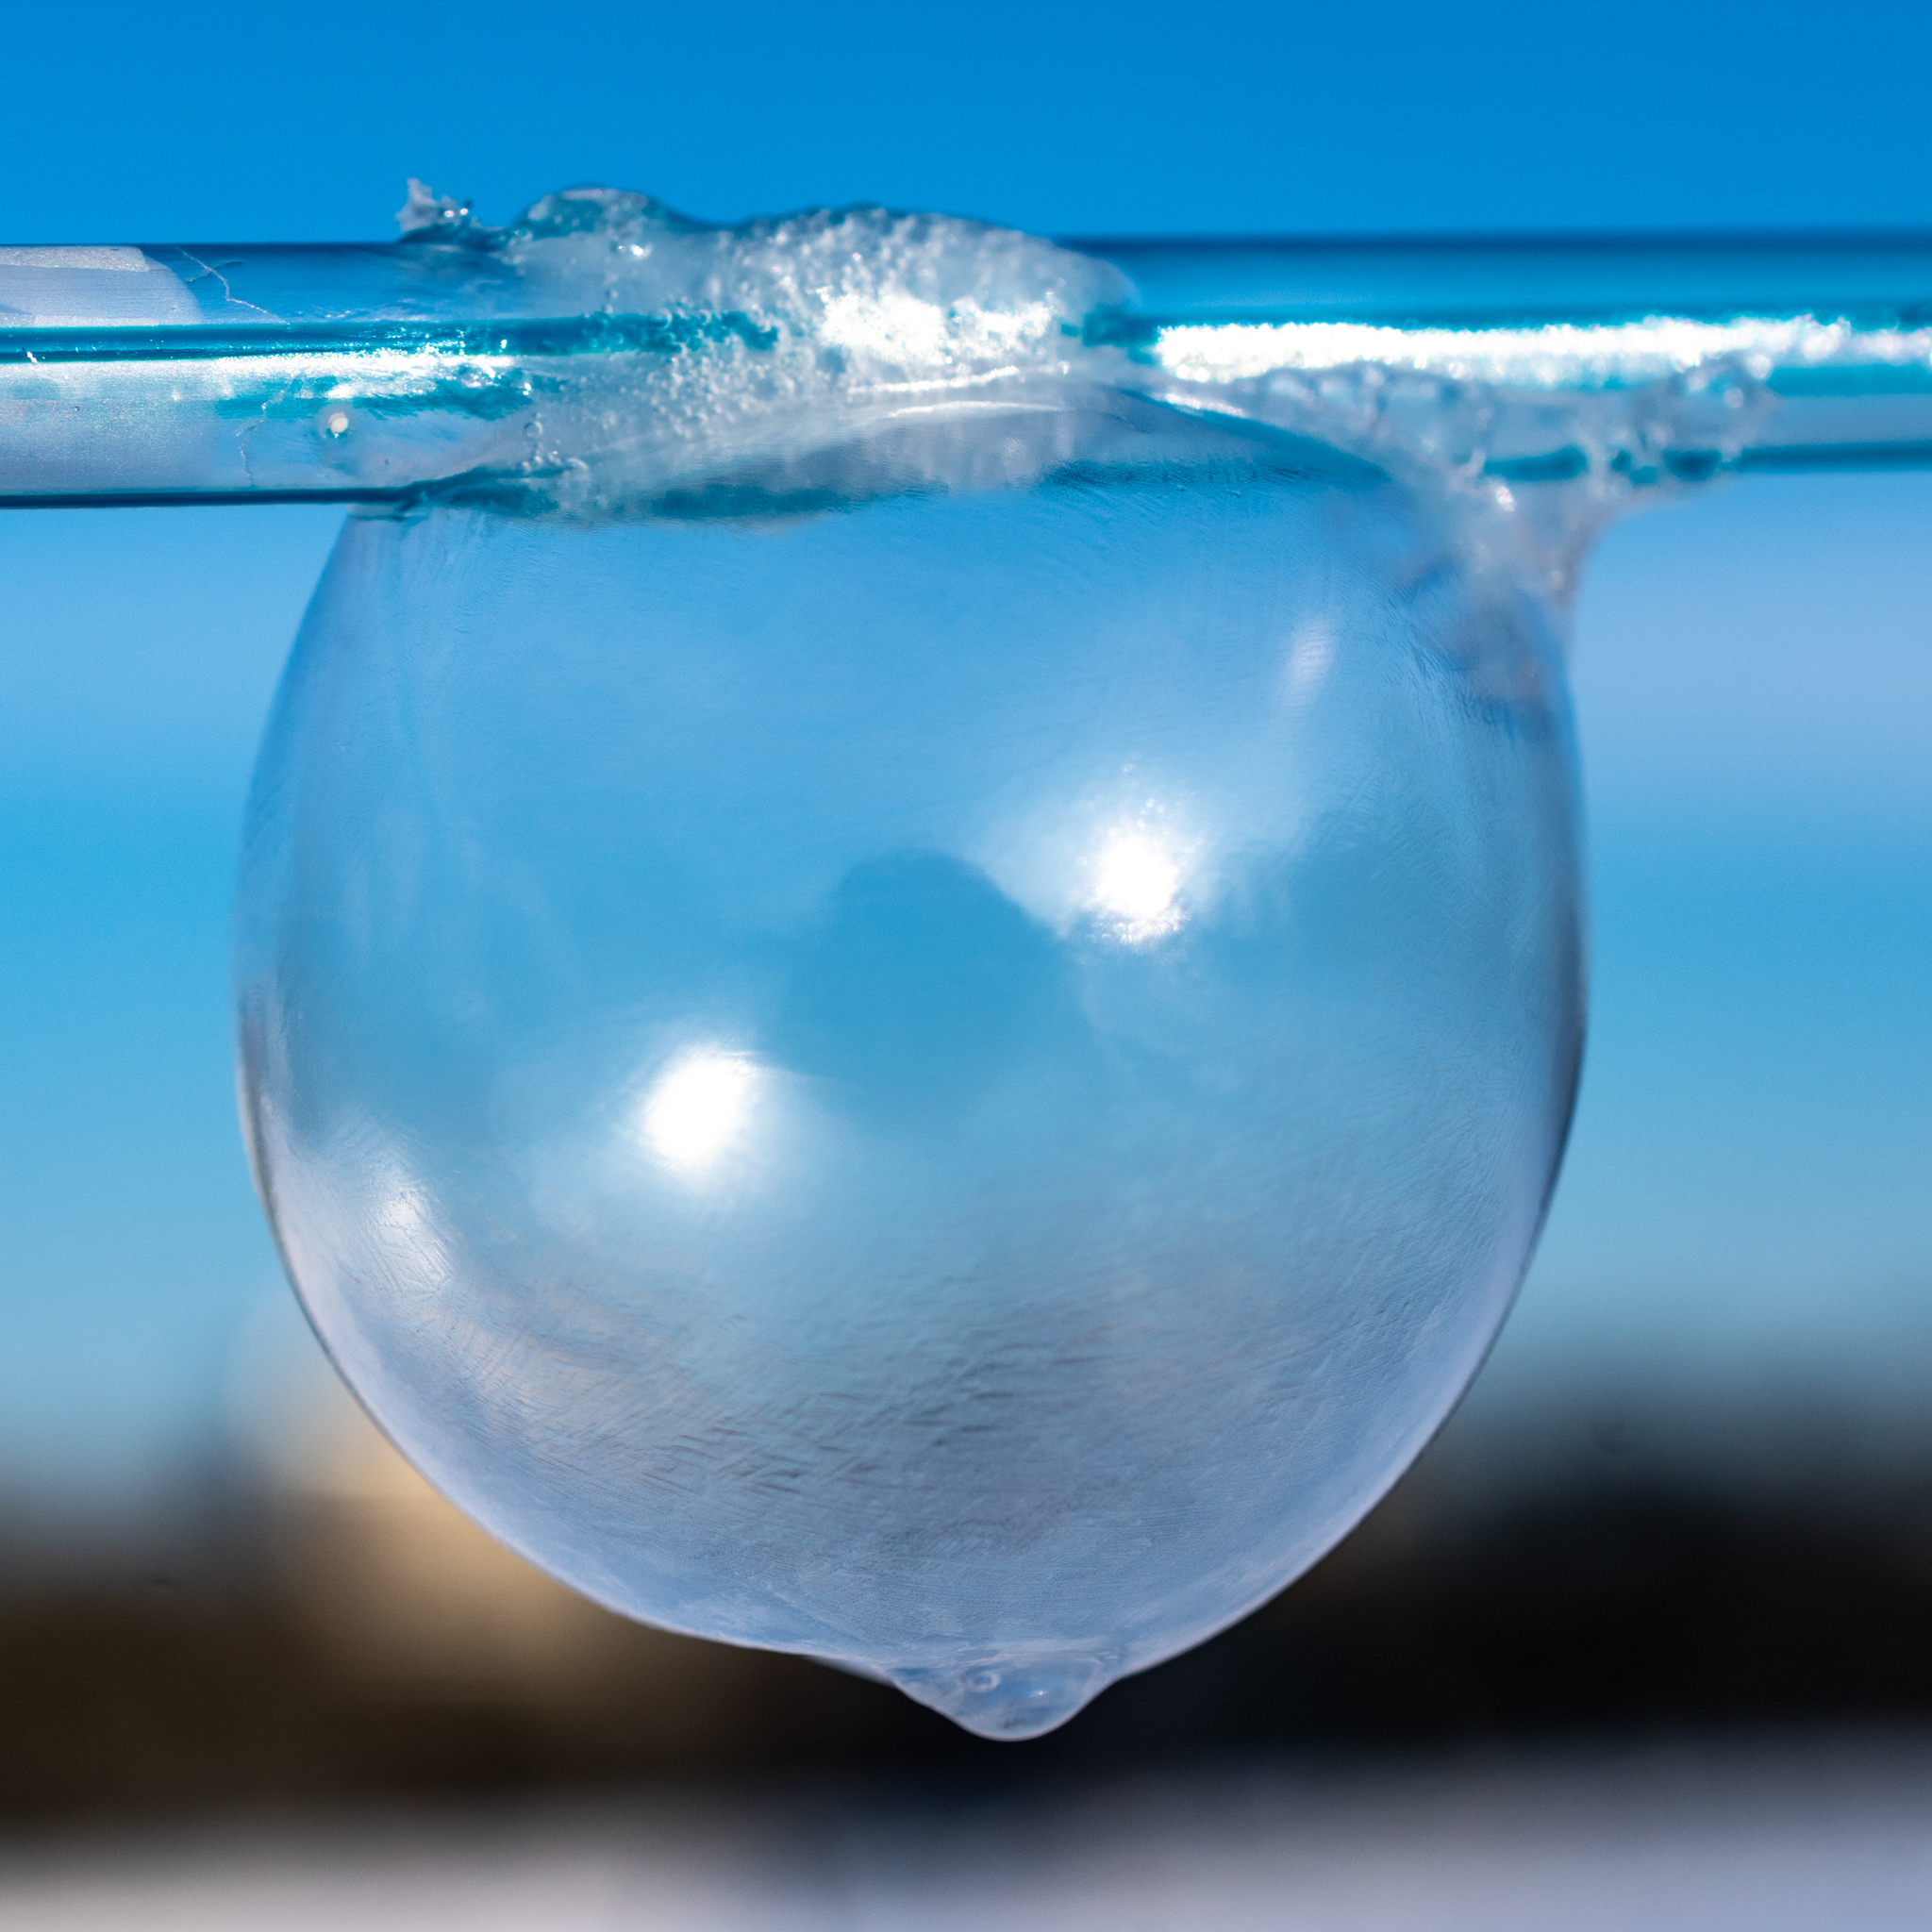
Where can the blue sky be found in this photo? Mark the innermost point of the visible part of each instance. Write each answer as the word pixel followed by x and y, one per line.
pixel 1745 1196
pixel 225 120
pixel 1746 1188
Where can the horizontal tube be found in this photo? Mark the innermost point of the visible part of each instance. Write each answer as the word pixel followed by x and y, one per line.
pixel 386 373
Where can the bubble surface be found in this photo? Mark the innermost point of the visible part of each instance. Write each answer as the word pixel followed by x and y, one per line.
pixel 942 1048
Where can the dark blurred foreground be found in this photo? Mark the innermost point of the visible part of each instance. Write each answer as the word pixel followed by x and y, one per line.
pixel 354 1637
pixel 1776 1837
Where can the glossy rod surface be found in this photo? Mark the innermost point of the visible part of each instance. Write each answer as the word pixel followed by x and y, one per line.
pixel 379 373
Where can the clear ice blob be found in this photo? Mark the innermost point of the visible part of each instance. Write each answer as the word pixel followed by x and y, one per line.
pixel 936 1033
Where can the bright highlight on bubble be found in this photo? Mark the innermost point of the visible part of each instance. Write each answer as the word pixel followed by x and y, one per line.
pixel 1136 880
pixel 699 1106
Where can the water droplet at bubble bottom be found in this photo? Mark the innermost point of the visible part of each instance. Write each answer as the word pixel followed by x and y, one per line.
pixel 949 1076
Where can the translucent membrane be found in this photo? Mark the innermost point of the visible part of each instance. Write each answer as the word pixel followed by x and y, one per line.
pixel 909 940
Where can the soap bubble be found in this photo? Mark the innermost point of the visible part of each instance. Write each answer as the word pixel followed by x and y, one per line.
pixel 950 1078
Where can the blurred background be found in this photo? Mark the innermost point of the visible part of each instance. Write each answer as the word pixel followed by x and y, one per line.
pixel 1687 1508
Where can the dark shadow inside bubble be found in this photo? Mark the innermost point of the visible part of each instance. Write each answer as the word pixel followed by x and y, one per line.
pixel 921 987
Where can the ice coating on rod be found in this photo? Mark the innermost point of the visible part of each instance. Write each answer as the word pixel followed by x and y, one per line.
pixel 609 356
pixel 808 331
pixel 899 298
pixel 777 342
pixel 835 354
pixel 623 355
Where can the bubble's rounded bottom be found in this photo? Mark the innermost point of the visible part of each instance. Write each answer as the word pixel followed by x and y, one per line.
pixel 960 1085
pixel 1010 1702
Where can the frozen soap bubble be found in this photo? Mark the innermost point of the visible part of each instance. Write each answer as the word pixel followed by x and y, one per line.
pixel 938 1044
